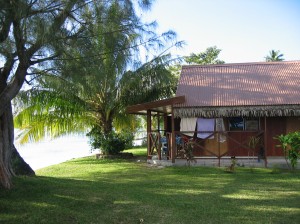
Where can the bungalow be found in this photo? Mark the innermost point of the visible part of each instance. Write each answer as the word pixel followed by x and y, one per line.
pixel 224 111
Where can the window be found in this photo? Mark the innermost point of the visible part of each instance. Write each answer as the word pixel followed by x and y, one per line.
pixel 251 124
pixel 236 124
pixel 243 124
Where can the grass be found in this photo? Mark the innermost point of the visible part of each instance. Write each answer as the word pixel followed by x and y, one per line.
pixel 87 190
pixel 138 151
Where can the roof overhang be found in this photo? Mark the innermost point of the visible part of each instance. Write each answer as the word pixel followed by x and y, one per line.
pixel 283 110
pixel 160 106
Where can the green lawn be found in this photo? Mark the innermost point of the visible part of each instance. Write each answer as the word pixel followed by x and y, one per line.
pixel 125 191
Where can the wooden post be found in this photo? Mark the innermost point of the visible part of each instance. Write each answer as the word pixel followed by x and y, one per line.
pixel 165 123
pixel 173 138
pixel 265 143
pixel 149 133
pixel 219 149
pixel 166 135
pixel 158 122
pixel 158 137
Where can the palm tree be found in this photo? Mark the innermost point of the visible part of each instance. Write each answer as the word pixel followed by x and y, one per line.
pixel 274 56
pixel 93 90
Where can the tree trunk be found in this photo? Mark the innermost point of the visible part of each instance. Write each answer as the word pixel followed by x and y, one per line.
pixel 106 124
pixel 11 162
pixel 107 127
pixel 20 167
pixel 6 146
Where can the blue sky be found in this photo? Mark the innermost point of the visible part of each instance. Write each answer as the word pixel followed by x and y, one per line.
pixel 245 30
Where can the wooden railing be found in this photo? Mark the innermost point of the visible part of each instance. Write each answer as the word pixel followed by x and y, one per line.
pixel 159 145
pixel 228 135
pixel 157 139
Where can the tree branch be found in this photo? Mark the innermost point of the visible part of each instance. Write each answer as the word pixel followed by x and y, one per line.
pixel 57 23
pixel 7 21
pixel 12 89
pixel 33 62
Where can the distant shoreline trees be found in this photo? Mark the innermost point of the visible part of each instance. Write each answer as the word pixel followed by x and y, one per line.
pixel 208 57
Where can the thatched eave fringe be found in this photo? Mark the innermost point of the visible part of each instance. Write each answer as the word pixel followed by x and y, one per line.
pixel 241 111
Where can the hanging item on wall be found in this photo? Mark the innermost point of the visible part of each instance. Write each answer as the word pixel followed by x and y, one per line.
pixel 220 127
pixel 188 125
pixel 206 126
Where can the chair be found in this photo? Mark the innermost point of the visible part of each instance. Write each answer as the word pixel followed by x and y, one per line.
pixel 164 146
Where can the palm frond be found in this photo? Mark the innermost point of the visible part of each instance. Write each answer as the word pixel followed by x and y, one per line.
pixel 50 113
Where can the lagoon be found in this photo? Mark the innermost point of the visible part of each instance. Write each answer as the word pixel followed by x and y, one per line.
pixel 50 152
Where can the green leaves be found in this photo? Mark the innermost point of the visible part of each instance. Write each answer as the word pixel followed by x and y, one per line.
pixel 274 56
pixel 97 74
pixel 209 56
pixel 50 113
pixel 152 81
pixel 111 143
pixel 290 144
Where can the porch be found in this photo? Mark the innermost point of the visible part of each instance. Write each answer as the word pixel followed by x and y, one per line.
pixel 218 148
pixel 168 143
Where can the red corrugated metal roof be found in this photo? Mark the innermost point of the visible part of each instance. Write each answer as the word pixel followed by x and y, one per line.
pixel 247 84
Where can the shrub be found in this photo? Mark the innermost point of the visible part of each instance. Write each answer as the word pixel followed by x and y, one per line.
pixel 290 144
pixel 128 138
pixel 112 143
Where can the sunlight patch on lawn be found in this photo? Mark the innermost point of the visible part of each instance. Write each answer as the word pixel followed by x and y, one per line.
pixel 247 196
pixel 97 169
pixel 260 195
pixel 271 209
pixel 95 199
pixel 42 205
pixel 66 197
pixel 176 191
pixel 126 202
pixel 137 151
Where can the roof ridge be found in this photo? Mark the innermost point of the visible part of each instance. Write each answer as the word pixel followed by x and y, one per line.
pixel 244 63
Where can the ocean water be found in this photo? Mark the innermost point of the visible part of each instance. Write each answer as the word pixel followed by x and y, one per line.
pixel 50 152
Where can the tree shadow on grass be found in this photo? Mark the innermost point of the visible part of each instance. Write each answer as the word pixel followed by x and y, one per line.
pixel 169 195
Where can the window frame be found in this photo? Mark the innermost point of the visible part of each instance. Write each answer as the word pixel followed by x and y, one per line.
pixel 245 124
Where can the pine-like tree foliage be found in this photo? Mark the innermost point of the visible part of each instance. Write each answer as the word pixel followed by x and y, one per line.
pixel 32 34
pixel 97 75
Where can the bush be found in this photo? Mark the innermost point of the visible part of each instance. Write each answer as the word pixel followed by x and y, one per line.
pixel 290 143
pixel 128 138
pixel 112 143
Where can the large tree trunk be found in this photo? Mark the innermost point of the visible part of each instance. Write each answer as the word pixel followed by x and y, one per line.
pixel 22 52
pixel 6 124
pixel 11 162
pixel 6 146
pixel 20 167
